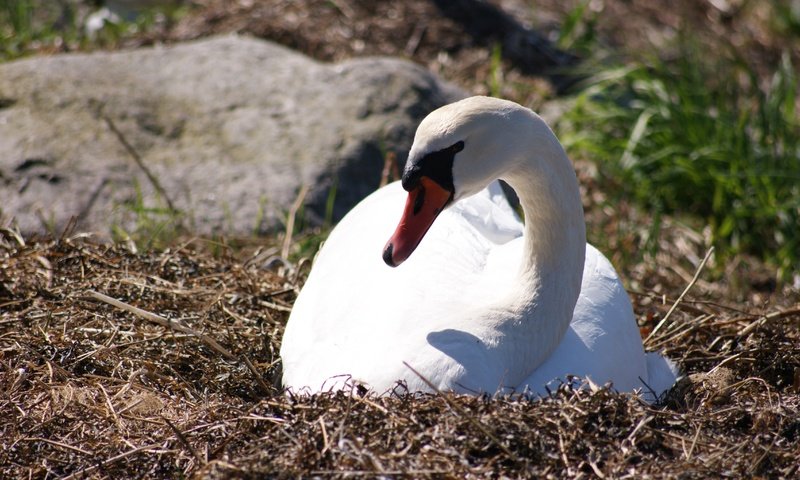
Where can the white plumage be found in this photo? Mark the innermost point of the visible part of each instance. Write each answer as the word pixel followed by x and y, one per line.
pixel 484 303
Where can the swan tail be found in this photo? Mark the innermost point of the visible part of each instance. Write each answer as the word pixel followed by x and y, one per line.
pixel 661 376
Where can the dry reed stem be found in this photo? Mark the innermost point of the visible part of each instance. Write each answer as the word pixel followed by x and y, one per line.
pixel 137 158
pixel 164 322
pixel 682 295
pixel 290 219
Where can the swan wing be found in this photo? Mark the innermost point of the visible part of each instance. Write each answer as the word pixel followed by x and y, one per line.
pixel 356 317
pixel 603 342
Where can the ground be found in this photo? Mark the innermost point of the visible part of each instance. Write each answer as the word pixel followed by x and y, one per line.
pixel 122 363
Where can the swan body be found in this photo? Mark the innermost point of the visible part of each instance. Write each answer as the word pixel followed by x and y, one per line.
pixel 485 303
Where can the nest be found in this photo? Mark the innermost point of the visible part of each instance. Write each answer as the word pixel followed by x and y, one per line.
pixel 162 365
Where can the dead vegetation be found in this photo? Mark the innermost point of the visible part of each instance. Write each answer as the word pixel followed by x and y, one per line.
pixel 458 39
pixel 116 364
pixel 91 389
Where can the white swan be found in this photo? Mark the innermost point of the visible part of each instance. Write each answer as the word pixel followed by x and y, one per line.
pixel 485 304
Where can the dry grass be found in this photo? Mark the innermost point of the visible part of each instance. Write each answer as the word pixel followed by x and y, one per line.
pixel 94 390
pixel 187 386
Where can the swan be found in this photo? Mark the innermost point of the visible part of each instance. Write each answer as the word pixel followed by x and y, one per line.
pixel 485 304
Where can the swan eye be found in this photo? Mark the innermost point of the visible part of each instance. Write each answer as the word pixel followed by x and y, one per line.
pixel 438 166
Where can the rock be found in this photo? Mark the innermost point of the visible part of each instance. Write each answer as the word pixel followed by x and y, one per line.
pixel 226 130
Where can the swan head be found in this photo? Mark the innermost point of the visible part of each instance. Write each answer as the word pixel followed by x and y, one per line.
pixel 458 150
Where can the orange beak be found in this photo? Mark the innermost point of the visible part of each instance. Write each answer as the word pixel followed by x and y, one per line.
pixel 424 203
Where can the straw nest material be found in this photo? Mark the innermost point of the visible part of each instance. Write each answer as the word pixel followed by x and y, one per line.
pixel 164 365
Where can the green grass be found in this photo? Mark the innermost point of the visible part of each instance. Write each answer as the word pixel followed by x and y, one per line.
pixel 28 26
pixel 308 239
pixel 578 30
pixel 156 226
pixel 496 71
pixel 699 135
pixel 21 25
pixel 786 17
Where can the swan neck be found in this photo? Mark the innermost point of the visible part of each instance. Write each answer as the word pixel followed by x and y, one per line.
pixel 554 238
pixel 555 231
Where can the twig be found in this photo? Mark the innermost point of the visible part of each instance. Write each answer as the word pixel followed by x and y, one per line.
pixel 298 202
pixel 694 443
pixel 176 326
pixel 685 291
pixel 761 458
pixel 183 440
pixel 765 318
pixel 644 421
pixel 563 450
pixel 69 228
pixel 697 323
pixel 686 305
pixel 86 471
pixel 110 405
pixel 372 404
pixel 464 414
pixel 325 443
pixel 390 170
pixel 373 473
pixel 256 374
pixel 89 204
pixel 138 159
pixel 596 469
pixel 15 234
pixel 413 41
pixel 274 306
pixel 57 444
pixel 164 322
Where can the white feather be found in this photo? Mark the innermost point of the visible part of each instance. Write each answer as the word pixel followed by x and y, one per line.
pixel 485 303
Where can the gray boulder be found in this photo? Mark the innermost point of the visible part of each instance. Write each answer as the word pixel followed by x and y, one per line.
pixel 225 131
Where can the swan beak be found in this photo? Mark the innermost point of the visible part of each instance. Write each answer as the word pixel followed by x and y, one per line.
pixel 423 205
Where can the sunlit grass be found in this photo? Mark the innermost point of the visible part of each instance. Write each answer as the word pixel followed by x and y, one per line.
pixel 28 26
pixel 155 225
pixel 699 135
